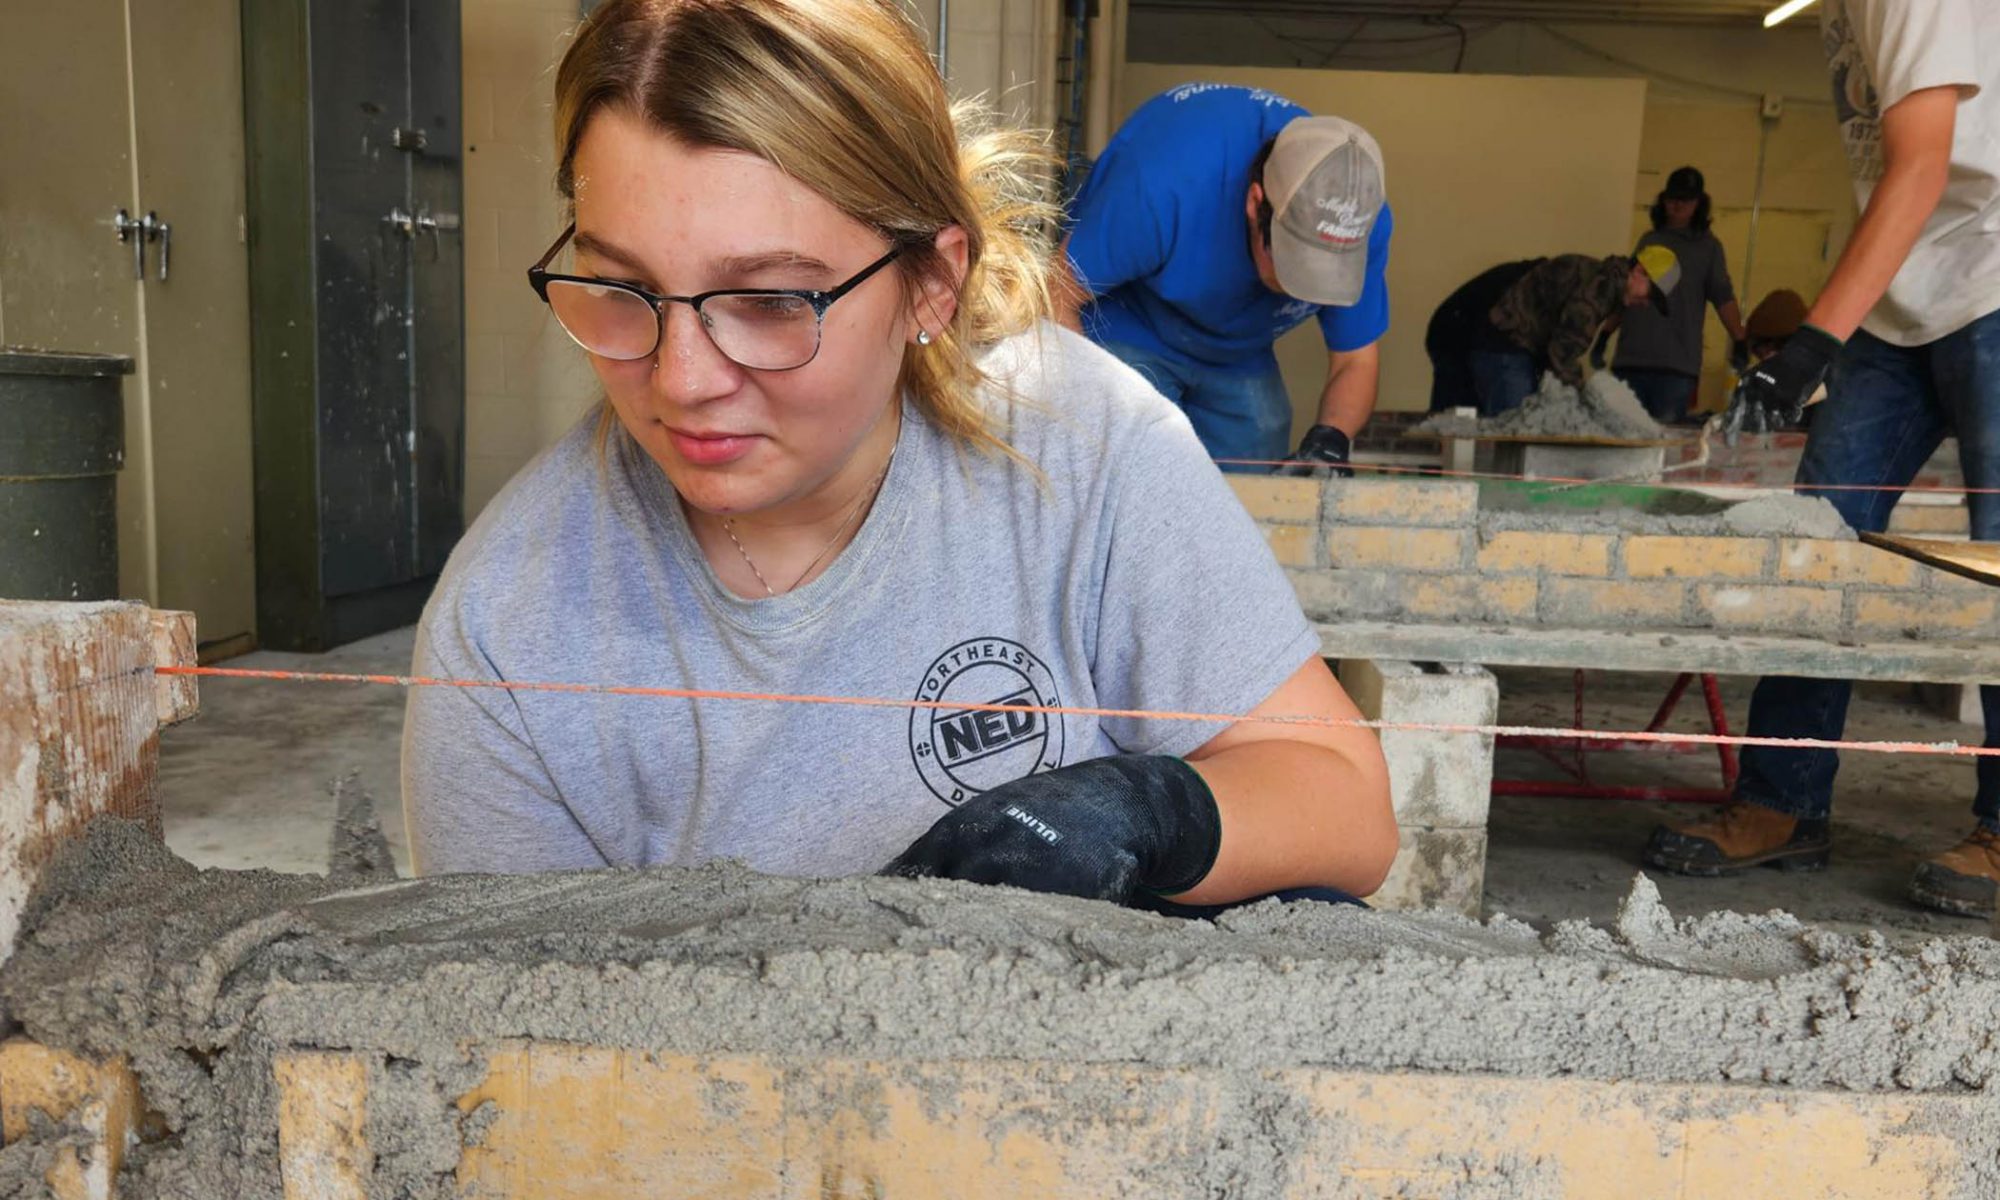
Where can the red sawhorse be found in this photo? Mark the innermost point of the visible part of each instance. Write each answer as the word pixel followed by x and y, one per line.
pixel 1571 754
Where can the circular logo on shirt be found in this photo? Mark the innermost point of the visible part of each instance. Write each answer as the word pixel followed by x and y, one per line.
pixel 962 751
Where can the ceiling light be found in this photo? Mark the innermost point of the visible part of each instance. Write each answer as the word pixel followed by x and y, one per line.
pixel 1783 10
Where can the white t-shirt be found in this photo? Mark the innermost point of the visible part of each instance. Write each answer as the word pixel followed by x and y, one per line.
pixel 1128 577
pixel 1879 52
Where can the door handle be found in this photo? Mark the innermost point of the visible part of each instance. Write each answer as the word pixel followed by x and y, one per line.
pixel 156 230
pixel 140 230
pixel 133 231
pixel 435 224
pixel 401 222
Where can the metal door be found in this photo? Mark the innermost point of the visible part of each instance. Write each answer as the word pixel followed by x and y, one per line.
pixel 363 468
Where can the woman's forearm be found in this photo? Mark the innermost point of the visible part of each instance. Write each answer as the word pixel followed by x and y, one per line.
pixel 1296 814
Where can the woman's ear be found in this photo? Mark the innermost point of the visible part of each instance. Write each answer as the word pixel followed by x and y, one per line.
pixel 936 301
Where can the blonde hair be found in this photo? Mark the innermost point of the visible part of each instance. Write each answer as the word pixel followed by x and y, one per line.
pixel 842 96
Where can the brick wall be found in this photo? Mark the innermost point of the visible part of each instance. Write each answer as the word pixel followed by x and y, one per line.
pixel 1417 550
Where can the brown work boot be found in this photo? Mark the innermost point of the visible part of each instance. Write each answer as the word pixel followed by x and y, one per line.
pixel 1962 880
pixel 1738 836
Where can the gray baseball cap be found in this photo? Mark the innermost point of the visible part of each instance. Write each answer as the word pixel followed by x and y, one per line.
pixel 1324 182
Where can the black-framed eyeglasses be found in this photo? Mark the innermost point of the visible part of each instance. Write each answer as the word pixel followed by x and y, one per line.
pixel 764 329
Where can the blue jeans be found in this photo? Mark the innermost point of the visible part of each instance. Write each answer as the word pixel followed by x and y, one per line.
pixel 1886 410
pixel 1237 412
pixel 1501 379
pixel 1667 395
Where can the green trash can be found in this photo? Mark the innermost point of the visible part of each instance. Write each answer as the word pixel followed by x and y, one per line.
pixel 62 441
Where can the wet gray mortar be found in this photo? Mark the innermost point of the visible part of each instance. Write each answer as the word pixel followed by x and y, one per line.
pixel 202 976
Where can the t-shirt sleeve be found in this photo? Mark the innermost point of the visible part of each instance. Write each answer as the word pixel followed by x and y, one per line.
pixel 1912 46
pixel 1194 614
pixel 1122 226
pixel 1365 321
pixel 476 795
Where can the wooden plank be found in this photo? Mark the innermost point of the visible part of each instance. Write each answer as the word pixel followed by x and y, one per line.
pixel 79 732
pixel 1977 561
pixel 322 1126
pixel 579 1123
pixel 1678 650
pixel 176 697
pixel 100 1098
pixel 1545 439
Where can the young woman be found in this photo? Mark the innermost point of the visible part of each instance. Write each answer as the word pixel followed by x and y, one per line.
pixel 1659 354
pixel 841 455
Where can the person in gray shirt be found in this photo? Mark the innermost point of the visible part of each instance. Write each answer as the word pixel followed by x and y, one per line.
pixel 842 455
pixel 1659 354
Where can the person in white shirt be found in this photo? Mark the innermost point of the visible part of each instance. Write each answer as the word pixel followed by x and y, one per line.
pixel 1907 336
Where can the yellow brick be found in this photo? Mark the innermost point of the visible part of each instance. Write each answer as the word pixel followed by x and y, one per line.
pixel 1695 557
pixel 1891 614
pixel 1396 549
pixel 1292 544
pixel 1930 518
pixel 1279 498
pixel 1805 611
pixel 1441 597
pixel 1557 553
pixel 1389 501
pixel 1813 560
pixel 1611 603
pixel 1949 581
pixel 1509 599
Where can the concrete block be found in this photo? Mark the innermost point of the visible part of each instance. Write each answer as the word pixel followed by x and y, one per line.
pixel 1955 701
pixel 1659 557
pixel 1278 498
pixel 1366 547
pixel 1803 610
pixel 1813 560
pixel 1443 780
pixel 1381 501
pixel 1921 615
pixel 1557 553
pixel 1293 545
pixel 1612 603
pixel 1535 460
pixel 1436 869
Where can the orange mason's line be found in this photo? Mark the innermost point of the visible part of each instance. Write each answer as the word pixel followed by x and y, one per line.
pixel 1949 749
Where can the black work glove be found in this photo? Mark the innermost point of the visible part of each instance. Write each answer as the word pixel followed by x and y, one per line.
pixel 1599 348
pixel 1323 447
pixel 1107 829
pixel 1739 355
pixel 1773 394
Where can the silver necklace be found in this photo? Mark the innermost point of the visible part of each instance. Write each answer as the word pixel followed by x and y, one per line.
pixel 860 502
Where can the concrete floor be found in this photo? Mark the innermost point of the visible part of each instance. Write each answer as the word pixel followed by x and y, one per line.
pixel 246 786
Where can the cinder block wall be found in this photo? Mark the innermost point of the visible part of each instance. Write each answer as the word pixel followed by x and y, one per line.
pixel 1417 550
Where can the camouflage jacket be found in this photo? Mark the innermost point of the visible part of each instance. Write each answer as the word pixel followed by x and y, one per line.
pixel 1555 311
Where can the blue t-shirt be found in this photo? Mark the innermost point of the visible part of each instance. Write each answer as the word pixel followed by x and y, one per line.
pixel 1158 236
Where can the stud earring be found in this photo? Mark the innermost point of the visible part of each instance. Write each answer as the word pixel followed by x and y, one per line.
pixel 923 337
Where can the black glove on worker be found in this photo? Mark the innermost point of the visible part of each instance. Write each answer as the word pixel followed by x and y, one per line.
pixel 1322 447
pixel 1106 829
pixel 1773 394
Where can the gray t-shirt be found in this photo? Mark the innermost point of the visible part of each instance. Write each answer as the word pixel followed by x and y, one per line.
pixel 1649 341
pixel 1131 579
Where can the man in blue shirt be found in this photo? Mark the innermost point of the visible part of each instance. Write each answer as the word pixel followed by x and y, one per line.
pixel 1218 218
